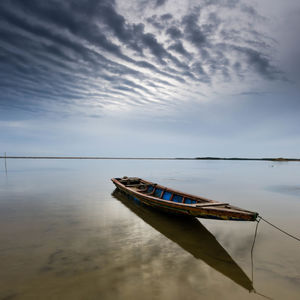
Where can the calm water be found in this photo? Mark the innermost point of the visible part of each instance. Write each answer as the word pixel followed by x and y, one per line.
pixel 64 234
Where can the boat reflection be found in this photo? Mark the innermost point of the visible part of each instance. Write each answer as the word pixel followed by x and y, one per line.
pixel 190 235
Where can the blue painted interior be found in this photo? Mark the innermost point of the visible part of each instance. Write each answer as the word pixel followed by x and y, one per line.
pixel 150 189
pixel 177 198
pixel 167 195
pixel 157 192
pixel 189 201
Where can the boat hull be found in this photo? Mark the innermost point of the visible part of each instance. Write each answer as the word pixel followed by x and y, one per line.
pixel 186 209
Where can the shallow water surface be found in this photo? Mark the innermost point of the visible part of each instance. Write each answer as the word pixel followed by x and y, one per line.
pixel 66 234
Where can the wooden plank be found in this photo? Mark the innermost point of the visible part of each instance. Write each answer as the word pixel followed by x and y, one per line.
pixel 152 193
pixel 211 204
pixel 162 193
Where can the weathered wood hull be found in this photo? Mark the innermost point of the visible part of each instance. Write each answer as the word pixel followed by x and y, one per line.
pixel 176 202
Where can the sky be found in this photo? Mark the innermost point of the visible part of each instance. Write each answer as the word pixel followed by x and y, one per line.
pixel 160 78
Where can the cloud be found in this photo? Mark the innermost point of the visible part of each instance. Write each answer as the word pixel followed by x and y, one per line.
pixel 166 17
pixel 159 22
pixel 251 11
pixel 260 63
pixel 174 32
pixel 179 48
pixel 96 54
pixel 156 48
pixel 160 2
pixel 192 30
pixel 156 22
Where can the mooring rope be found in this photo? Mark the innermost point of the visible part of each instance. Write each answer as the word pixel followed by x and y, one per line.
pixel 262 295
pixel 283 231
pixel 259 218
pixel 252 264
pixel 255 234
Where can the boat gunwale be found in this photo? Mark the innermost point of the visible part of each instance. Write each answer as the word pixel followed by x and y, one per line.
pixel 233 209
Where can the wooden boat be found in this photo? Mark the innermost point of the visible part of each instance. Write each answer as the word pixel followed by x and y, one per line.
pixel 191 236
pixel 173 201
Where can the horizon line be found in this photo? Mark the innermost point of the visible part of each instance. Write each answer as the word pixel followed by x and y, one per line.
pixel 151 158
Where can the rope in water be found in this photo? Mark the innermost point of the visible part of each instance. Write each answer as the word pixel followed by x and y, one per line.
pixel 259 218
pixel 290 235
pixel 255 234
pixel 252 263
pixel 262 295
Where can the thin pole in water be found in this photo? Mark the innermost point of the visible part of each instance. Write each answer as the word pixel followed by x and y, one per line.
pixel 5 163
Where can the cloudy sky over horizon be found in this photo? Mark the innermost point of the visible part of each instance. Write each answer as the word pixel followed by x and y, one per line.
pixel 150 78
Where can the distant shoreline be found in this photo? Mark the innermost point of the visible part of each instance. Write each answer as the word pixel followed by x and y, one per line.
pixel 276 159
